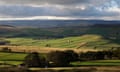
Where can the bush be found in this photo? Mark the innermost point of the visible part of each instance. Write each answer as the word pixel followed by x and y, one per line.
pixel 47 45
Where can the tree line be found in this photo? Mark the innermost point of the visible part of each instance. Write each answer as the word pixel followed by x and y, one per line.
pixel 64 58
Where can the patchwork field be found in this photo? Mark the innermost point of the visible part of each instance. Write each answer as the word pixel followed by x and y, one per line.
pixel 79 42
pixel 12 58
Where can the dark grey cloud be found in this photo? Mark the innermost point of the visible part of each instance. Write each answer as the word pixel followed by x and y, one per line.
pixel 23 11
pixel 61 2
pixel 26 11
pixel 62 8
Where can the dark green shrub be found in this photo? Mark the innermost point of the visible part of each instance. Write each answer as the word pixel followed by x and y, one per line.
pixel 47 45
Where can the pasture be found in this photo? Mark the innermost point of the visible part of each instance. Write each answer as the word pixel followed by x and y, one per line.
pixel 98 63
pixel 12 58
pixel 78 42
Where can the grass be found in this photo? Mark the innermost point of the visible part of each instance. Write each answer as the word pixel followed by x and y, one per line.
pixel 85 41
pixel 98 63
pixel 12 62
pixel 12 58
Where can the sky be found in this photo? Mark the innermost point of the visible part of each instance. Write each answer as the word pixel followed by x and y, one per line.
pixel 59 9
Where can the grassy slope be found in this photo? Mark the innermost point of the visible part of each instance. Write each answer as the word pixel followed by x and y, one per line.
pixel 85 41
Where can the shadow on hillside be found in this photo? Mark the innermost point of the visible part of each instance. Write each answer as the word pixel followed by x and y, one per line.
pixel 108 32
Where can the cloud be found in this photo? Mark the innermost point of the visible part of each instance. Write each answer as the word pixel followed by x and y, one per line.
pixel 37 2
pixel 41 18
pixel 25 11
pixel 57 9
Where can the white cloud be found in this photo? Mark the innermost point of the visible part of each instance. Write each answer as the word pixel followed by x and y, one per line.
pixel 40 18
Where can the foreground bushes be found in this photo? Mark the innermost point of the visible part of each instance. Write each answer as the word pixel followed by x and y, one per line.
pixel 100 55
pixel 63 58
pixel 55 58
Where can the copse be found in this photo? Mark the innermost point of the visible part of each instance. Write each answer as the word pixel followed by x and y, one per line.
pixel 92 56
pixel 61 58
pixel 34 60
pixel 71 55
pixel 100 55
pixel 116 53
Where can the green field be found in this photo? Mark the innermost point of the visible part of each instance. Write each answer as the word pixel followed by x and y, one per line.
pixel 12 58
pixel 98 63
pixel 84 41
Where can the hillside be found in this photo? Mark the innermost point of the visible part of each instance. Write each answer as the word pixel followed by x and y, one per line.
pixel 66 34
pixel 106 30
pixel 84 41
pixel 106 35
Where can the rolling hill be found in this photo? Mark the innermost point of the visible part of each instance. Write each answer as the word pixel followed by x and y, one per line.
pixel 84 41
pixel 89 34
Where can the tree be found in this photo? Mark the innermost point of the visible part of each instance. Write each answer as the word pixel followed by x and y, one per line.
pixel 71 55
pixel 116 53
pixel 92 55
pixel 33 60
pixel 61 58
pixel 57 58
